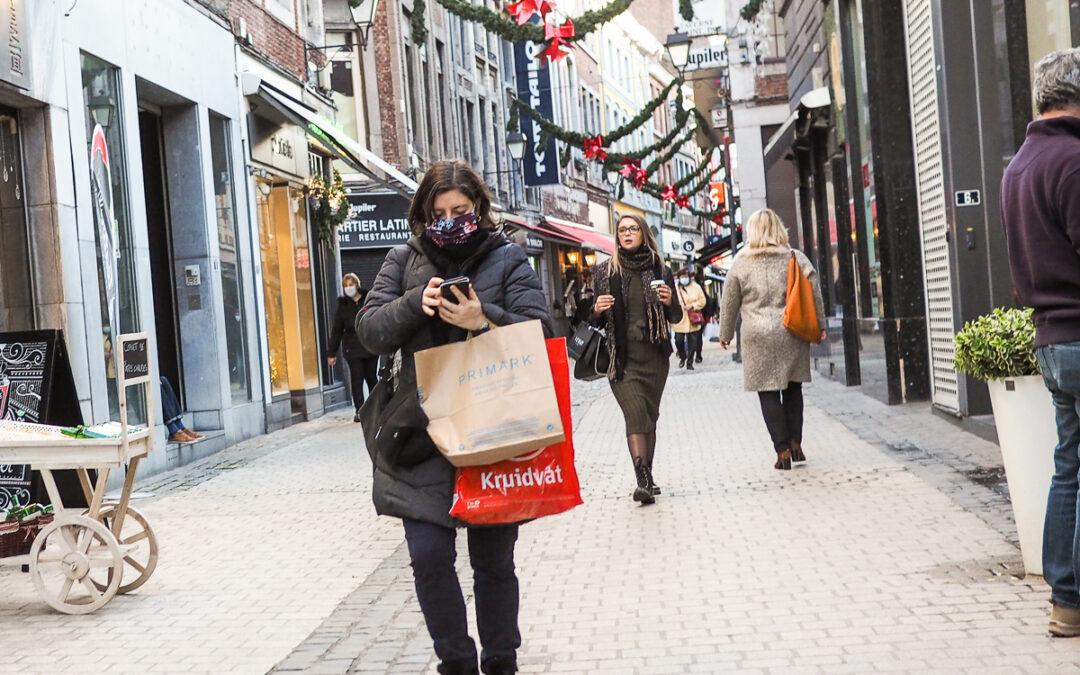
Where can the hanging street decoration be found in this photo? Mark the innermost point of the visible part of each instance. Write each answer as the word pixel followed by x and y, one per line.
pixel 669 194
pixel 558 37
pixel 525 10
pixel 594 147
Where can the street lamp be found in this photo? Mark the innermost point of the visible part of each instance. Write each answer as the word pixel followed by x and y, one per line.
pixel 678 50
pixel 363 15
pixel 515 143
pixel 101 109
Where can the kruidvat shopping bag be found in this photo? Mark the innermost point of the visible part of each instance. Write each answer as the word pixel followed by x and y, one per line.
pixel 490 397
pixel 541 483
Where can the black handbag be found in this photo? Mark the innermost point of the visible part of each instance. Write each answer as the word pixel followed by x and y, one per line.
pixel 593 362
pixel 394 424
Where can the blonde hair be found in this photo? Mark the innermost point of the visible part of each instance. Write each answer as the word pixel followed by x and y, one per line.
pixel 351 277
pixel 647 240
pixel 765 228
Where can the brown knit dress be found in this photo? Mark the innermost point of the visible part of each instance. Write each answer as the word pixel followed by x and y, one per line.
pixel 646 370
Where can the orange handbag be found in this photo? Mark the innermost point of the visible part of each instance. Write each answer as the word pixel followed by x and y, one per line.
pixel 800 311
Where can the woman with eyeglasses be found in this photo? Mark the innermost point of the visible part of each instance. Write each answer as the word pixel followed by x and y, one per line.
pixel 635 294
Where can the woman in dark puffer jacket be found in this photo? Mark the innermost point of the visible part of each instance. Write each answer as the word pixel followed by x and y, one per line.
pixel 405 313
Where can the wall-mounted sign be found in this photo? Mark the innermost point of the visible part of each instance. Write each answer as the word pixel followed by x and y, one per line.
pixel 14 66
pixel 533 244
pixel 541 163
pixel 713 54
pixel 708 18
pixel 376 220
pixel 282 146
pixel 968 198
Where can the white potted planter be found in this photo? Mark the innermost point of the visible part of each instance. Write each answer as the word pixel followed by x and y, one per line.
pixel 998 349
pixel 1027 434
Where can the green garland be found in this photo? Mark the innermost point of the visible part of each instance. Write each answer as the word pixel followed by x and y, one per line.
pixel 751 9
pixel 665 157
pixel 500 23
pixel 686 9
pixel 418 21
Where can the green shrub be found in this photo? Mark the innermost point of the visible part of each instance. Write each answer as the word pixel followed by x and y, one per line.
pixel 997 345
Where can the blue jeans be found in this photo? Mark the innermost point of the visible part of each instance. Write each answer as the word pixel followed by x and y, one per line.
pixel 1060 366
pixel 495 586
pixel 170 407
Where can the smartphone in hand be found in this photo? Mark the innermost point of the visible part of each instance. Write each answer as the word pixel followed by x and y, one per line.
pixel 461 283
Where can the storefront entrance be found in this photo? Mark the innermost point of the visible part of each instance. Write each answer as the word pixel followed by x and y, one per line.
pixel 159 236
pixel 285 250
pixel 16 289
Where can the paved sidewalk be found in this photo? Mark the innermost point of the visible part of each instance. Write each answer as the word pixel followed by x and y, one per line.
pixel 890 550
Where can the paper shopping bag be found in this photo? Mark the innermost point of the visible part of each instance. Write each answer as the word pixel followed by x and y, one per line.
pixel 542 483
pixel 490 397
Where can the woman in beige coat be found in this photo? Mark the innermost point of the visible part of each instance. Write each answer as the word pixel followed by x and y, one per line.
pixel 687 332
pixel 775 362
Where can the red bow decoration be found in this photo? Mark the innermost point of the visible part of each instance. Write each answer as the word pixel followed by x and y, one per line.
pixel 558 40
pixel 524 10
pixel 683 201
pixel 641 176
pixel 630 167
pixel 718 218
pixel 594 147
pixel 669 194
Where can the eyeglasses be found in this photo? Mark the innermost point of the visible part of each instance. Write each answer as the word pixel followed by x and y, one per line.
pixel 630 229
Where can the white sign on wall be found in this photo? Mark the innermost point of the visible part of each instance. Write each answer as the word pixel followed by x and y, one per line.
pixel 707 53
pixel 708 18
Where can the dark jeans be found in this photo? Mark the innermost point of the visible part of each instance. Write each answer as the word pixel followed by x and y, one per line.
pixel 783 412
pixel 1060 366
pixel 361 371
pixel 495 586
pixel 688 344
pixel 170 407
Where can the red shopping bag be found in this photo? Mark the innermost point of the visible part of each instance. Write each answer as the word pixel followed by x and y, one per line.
pixel 540 483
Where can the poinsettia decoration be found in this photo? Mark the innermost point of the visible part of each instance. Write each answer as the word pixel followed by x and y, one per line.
pixel 630 167
pixel 558 37
pixel 683 201
pixel 525 10
pixel 718 217
pixel 669 193
pixel 641 178
pixel 594 147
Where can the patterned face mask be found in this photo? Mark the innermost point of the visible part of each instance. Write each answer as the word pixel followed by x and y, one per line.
pixel 446 232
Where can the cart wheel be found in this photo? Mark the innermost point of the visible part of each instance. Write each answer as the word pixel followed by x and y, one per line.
pixel 62 556
pixel 139 563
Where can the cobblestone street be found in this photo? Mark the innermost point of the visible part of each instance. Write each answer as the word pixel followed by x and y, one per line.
pixel 892 549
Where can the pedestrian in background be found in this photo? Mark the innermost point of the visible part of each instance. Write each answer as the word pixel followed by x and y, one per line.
pixel 635 294
pixel 453 235
pixel 1040 207
pixel 363 365
pixel 775 362
pixel 688 329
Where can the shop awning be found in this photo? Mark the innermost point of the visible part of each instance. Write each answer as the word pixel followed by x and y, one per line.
pixel 545 233
pixel 719 247
pixel 347 149
pixel 782 140
pixel 585 236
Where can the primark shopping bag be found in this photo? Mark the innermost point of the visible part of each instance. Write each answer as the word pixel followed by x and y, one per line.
pixel 541 483
pixel 490 397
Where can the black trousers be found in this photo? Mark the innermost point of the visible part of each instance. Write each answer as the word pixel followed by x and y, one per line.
pixel 361 371
pixel 783 412
pixel 495 587
pixel 688 344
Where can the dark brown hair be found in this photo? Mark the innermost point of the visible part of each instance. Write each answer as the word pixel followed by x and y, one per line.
pixel 443 176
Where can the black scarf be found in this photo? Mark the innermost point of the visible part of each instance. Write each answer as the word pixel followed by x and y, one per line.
pixel 457 261
pixel 644 264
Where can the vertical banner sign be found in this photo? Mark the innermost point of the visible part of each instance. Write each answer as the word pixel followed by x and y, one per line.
pixel 541 164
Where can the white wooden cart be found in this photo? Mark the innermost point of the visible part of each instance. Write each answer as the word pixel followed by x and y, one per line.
pixel 85 557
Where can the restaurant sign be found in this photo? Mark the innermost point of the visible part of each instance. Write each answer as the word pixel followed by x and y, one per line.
pixel 376 220
pixel 16 52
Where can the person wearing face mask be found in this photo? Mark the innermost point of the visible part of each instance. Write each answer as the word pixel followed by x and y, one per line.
pixel 406 312
pixel 363 365
pixel 635 296
pixel 688 330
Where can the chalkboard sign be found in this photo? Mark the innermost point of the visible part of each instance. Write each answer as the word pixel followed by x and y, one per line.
pixel 134 359
pixel 36 386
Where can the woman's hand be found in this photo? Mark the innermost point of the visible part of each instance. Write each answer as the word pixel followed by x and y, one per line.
pixel 664 293
pixel 602 304
pixel 824 336
pixel 725 344
pixel 466 313
pixel 432 297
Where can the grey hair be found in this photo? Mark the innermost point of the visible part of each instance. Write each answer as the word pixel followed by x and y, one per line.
pixel 1057 81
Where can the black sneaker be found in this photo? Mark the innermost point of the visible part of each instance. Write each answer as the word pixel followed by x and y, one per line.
pixel 697 359
pixel 356 417
pixel 682 362
pixel 690 365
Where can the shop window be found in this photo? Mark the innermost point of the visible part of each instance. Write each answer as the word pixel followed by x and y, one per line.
pixel 305 292
pixel 272 291
pixel 112 219
pixel 232 287
pixel 1049 28
pixel 16 290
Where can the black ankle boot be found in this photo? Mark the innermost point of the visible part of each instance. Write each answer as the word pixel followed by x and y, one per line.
pixel 459 667
pixel 500 665
pixel 682 362
pixel 643 491
pixel 655 487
